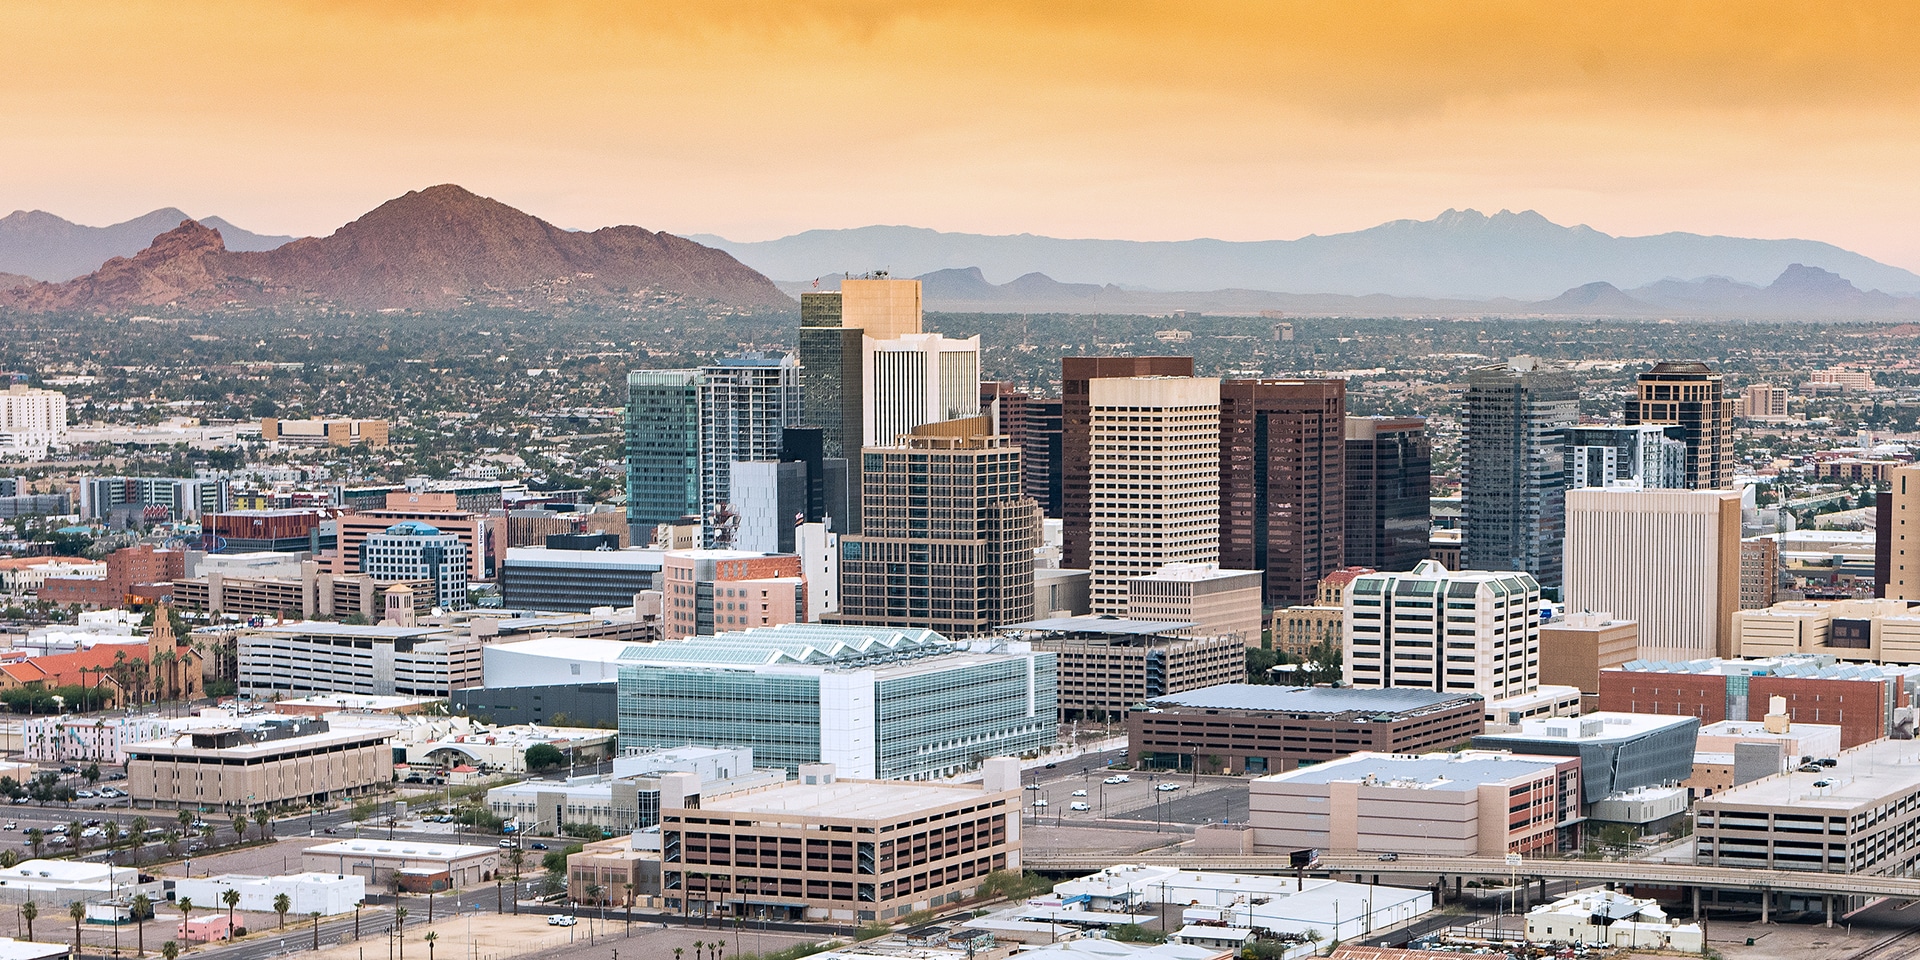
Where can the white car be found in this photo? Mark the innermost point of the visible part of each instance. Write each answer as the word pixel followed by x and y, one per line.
pixel 1163 788
pixel 9 825
pixel 1079 793
pixel 91 832
pixel 1040 802
pixel 560 920
pixel 84 794
pixel 1114 780
pixel 1078 807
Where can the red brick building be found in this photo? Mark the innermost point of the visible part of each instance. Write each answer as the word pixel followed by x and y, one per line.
pixel 1860 704
pixel 126 568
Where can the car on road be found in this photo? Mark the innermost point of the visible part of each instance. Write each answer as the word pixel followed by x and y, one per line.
pixel 539 846
pixel 560 920
pixel 1116 779
pixel 1033 786
pixel 1080 806
pixel 20 800
pixel 1050 766
pixel 507 843
pixel 1163 788
pixel 1040 802
pixel 1079 793
pixel 1389 857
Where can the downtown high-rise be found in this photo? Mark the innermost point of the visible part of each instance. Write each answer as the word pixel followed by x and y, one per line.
pixel 1389 491
pixel 1514 467
pixel 949 534
pixel 1077 375
pixel 1153 479
pixel 834 326
pixel 745 404
pixel 662 448
pixel 1691 396
pixel 1283 482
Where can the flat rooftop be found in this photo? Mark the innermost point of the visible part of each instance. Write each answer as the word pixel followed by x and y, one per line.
pixel 846 799
pixel 400 848
pixel 371 632
pixel 1102 625
pixel 1425 772
pixel 1601 727
pixel 181 744
pixel 357 701
pixel 1868 775
pixel 636 558
pixel 1807 666
pixel 1278 699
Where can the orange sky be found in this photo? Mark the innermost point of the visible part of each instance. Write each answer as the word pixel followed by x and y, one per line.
pixel 1111 119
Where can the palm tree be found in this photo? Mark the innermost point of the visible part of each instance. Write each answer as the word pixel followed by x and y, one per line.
pixel 677 951
pixel 264 821
pixel 137 830
pixel 316 929
pixel 400 930
pixel 430 938
pixel 699 949
pixel 35 838
pixel 186 820
pixel 240 827
pixel 185 906
pixel 516 856
pixel 231 898
pixel 79 842
pixel 281 904
pixel 172 838
pixel 142 909
pixel 78 911
pixel 28 911
pixel 112 829
pixel 170 950
pixel 629 888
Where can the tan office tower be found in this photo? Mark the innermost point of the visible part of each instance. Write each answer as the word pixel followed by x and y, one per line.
pixel 1076 436
pixel 1691 396
pixel 883 307
pixel 949 536
pixel 1668 559
pixel 1154 479
pixel 1899 536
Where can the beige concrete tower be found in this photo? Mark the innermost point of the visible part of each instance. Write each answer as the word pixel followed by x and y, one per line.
pixel 1155 479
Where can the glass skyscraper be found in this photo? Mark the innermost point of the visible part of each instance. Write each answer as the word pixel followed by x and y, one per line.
pixel 662 446
pixel 1514 489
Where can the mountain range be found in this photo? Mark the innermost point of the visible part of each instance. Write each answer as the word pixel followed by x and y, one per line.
pixel 437 248
pixel 40 246
pixel 1460 254
pixel 1800 291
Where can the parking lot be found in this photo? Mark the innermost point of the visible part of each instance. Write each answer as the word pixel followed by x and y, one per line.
pixel 1146 796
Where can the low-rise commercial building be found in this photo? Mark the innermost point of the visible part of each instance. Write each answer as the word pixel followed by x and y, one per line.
pixel 623 870
pixel 1861 699
pixel 1613 919
pixel 848 851
pixel 1206 900
pixel 324 433
pixel 377 862
pixel 69 739
pixel 1858 816
pixel 539 578
pixel 1251 728
pixel 632 796
pixel 65 881
pixel 1298 631
pixel 1218 603
pixel 1472 803
pixel 1107 666
pixel 310 657
pixel 1874 631
pixel 1618 752
pixel 327 894
pixel 443 743
pixel 1733 752
pixel 1574 648
pixel 277 761
pixel 879 702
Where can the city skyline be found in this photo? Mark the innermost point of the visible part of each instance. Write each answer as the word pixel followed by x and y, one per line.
pixel 1238 121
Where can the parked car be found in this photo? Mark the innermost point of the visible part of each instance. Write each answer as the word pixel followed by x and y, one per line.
pixel 1079 793
pixel 1082 805
pixel 84 794
pixel 9 825
pixel 560 920
pixel 1163 788
pixel 91 832
pixel 57 828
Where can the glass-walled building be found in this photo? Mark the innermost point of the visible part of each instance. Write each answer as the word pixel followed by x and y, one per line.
pixel 662 446
pixel 877 702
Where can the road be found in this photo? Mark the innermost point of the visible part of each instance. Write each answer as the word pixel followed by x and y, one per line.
pixel 1630 871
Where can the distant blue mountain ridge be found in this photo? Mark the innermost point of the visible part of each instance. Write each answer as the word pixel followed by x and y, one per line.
pixel 1459 255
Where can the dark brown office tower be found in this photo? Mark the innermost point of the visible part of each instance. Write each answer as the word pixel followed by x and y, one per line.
pixel 1076 439
pixel 1013 409
pixel 1040 457
pixel 1389 490
pixel 1690 394
pixel 1283 482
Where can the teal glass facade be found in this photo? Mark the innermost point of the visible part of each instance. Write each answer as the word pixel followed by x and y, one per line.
pixel 662 446
pixel 880 702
